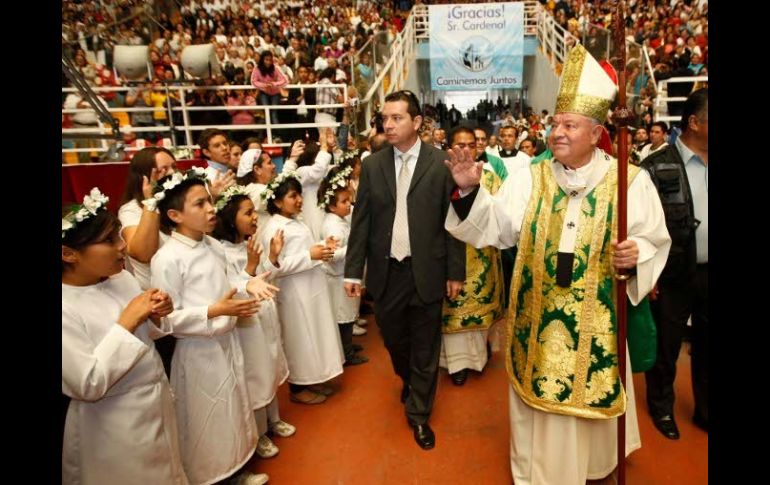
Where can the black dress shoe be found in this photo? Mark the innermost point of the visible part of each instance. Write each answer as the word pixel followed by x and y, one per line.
pixel 701 423
pixel 667 426
pixel 424 436
pixel 404 393
pixel 459 378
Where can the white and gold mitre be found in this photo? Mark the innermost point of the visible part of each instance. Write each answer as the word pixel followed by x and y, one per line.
pixel 585 88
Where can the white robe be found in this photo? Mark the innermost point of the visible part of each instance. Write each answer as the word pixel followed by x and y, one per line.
pixel 217 430
pixel 310 336
pixel 568 450
pixel 254 191
pixel 121 426
pixel 263 358
pixel 345 308
pixel 311 176
pixel 496 221
pixel 512 164
pixel 463 350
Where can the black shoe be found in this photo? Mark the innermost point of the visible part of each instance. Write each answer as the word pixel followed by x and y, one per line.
pixel 667 426
pixel 701 423
pixel 355 359
pixel 424 436
pixel 357 348
pixel 459 378
pixel 404 393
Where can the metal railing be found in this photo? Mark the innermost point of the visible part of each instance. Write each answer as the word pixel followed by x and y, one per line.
pixel 661 104
pixel 181 94
pixel 555 41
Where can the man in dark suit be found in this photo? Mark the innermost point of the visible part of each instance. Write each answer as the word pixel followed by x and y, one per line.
pixel 412 262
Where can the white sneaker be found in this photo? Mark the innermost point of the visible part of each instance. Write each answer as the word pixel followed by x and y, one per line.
pixel 358 330
pixel 266 448
pixel 361 322
pixel 248 478
pixel 283 429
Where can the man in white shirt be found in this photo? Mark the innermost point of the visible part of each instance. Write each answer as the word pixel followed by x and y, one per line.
pixel 658 134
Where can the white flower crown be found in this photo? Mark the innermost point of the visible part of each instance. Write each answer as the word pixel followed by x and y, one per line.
pixel 350 154
pixel 225 197
pixel 92 203
pixel 269 192
pixel 339 181
pixel 159 191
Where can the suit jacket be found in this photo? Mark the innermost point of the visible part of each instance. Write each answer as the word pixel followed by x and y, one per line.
pixel 436 255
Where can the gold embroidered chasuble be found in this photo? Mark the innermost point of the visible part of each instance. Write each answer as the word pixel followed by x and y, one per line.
pixel 480 302
pixel 562 342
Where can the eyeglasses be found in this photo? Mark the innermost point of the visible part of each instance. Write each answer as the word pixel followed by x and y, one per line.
pixel 472 146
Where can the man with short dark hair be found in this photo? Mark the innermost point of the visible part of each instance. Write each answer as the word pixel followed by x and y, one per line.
pixel 514 159
pixel 215 146
pixel 658 134
pixel 680 173
pixel 439 138
pixel 482 140
pixel 412 262
pixel 528 146
pixel 467 318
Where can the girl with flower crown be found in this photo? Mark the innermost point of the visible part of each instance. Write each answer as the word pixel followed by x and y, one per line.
pixel 311 340
pixel 335 197
pixel 264 361
pixel 121 425
pixel 352 159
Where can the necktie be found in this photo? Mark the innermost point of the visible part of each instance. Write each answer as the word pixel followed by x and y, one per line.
pixel 399 245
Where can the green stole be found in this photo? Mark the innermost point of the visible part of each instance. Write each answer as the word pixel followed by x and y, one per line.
pixel 480 302
pixel 497 165
pixel 562 341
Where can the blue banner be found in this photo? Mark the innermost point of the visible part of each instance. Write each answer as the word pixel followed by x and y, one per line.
pixel 476 46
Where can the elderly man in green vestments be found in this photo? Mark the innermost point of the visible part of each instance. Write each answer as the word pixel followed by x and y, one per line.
pixel 565 391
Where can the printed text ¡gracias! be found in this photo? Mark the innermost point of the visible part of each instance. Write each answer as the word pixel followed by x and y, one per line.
pixel 476 18
pixel 459 12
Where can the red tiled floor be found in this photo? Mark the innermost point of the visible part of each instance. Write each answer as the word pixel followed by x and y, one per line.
pixel 360 435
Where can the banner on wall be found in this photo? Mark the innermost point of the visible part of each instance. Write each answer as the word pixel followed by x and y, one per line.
pixel 476 46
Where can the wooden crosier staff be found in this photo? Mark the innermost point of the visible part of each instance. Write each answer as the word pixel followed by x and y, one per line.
pixel 621 117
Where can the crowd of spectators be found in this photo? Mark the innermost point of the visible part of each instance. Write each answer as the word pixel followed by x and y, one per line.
pixel 674 35
pixel 269 44
pixel 266 44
